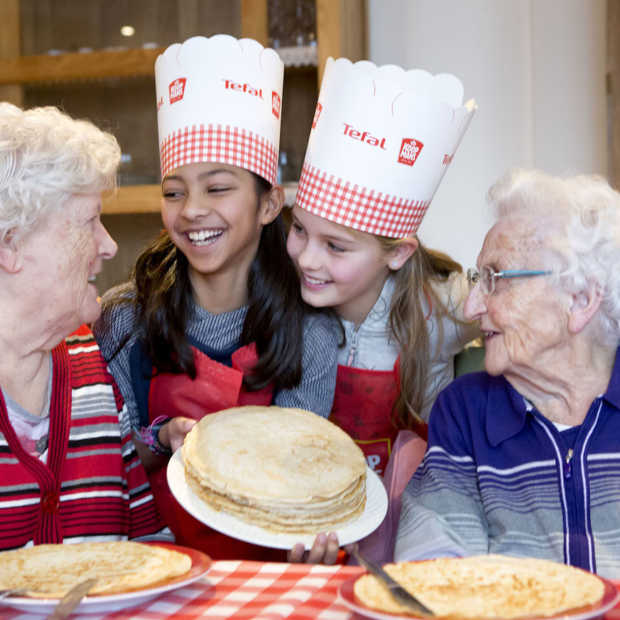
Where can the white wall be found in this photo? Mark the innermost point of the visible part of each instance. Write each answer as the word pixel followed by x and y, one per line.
pixel 536 68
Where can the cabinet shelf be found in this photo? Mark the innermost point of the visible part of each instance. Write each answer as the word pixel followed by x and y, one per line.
pixel 109 64
pixel 133 199
pixel 146 199
pixel 78 66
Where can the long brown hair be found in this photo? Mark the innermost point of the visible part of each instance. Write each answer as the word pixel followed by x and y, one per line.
pixel 274 320
pixel 408 323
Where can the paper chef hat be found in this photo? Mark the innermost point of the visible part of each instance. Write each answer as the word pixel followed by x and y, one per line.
pixel 219 100
pixel 381 141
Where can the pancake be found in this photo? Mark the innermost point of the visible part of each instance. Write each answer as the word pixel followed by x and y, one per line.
pixel 286 470
pixel 490 586
pixel 49 571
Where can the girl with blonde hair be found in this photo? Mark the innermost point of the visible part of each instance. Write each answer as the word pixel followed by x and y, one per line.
pixel 380 143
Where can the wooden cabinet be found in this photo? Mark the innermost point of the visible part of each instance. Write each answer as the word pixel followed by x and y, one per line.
pixel 68 78
pixel 67 53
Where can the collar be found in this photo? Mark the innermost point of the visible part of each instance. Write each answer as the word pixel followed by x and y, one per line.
pixel 504 422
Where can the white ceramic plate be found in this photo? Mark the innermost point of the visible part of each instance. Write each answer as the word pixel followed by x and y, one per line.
pixel 113 602
pixel 367 522
pixel 610 598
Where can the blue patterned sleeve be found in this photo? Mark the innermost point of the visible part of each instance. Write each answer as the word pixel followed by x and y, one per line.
pixel 115 333
pixel 442 512
pixel 319 368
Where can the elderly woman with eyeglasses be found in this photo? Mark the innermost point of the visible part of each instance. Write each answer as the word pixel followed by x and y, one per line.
pixel 524 459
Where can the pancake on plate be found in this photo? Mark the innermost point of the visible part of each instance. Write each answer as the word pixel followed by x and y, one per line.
pixel 286 470
pixel 49 571
pixel 489 586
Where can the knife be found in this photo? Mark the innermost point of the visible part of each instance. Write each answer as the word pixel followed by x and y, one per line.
pixel 402 595
pixel 71 599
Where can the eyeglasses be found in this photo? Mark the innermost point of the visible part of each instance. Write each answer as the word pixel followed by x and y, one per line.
pixel 487 276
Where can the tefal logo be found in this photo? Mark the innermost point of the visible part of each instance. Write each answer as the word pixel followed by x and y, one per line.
pixel 447 159
pixel 275 104
pixel 317 113
pixel 160 103
pixel 176 90
pixel 363 136
pixel 409 150
pixel 244 88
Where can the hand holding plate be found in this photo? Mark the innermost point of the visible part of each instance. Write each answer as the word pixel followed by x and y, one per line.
pixel 324 550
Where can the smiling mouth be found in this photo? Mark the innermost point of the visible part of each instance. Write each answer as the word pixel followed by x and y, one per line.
pixel 489 334
pixel 313 282
pixel 201 238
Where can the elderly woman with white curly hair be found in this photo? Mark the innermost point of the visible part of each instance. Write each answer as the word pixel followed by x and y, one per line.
pixel 524 459
pixel 68 471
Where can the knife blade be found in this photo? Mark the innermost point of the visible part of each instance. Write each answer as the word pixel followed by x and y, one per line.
pixel 71 599
pixel 402 595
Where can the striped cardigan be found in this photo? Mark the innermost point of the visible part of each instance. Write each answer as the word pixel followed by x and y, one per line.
pixel 93 486
pixel 498 477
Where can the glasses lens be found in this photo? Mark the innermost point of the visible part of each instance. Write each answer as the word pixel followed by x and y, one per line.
pixel 488 280
pixel 472 277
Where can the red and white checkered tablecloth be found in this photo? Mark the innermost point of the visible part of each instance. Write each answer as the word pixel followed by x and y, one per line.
pixel 245 590
pixel 259 591
pixel 250 590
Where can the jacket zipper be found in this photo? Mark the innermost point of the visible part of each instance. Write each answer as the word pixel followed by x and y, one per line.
pixel 353 347
pixel 567 461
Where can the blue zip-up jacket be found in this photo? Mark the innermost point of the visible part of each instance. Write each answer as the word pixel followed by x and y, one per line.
pixel 499 477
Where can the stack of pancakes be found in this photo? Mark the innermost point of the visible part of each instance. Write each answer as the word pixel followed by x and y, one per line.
pixel 52 570
pixel 489 586
pixel 286 470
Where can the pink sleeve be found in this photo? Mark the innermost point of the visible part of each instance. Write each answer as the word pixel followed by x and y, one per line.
pixel 406 455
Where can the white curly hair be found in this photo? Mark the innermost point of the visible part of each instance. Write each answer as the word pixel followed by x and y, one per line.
pixel 46 157
pixel 578 220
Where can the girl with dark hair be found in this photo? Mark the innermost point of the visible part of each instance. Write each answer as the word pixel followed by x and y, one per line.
pixel 212 317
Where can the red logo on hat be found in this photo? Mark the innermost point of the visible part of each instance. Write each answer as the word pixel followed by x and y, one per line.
pixel 176 90
pixel 409 150
pixel 244 88
pixel 363 136
pixel 275 104
pixel 317 113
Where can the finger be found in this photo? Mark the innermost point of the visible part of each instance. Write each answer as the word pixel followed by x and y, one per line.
pixel 317 553
pixel 331 553
pixel 296 554
pixel 179 427
pixel 187 424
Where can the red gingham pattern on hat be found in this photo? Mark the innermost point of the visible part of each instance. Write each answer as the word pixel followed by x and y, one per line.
pixel 358 207
pixel 224 144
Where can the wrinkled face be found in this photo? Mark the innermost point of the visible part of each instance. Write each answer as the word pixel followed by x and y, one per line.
pixel 338 267
pixel 525 321
pixel 61 258
pixel 210 212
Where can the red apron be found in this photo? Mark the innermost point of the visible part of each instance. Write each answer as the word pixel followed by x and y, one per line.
pixel 216 387
pixel 363 407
